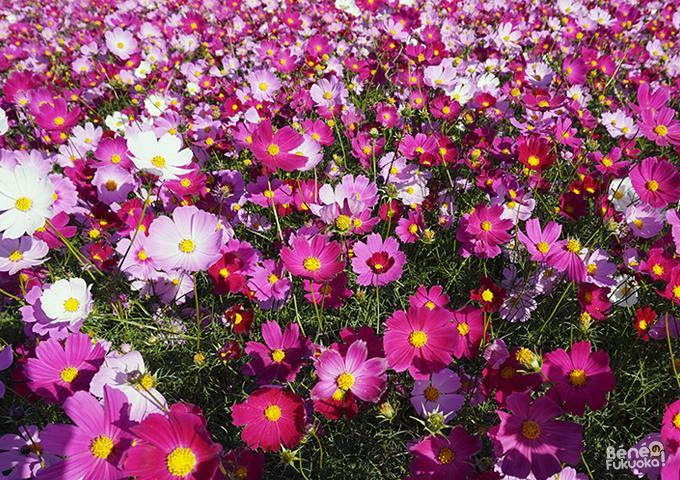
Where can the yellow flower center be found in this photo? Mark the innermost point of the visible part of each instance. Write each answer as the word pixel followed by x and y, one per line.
pixel 531 430
pixel 463 328
pixel 345 381
pixel 111 185
pixel 15 256
pixel 417 338
pixel 71 305
pixel 652 185
pixel 115 159
pixel 224 273
pixel 278 355
pixel 446 456
pixel 343 222
pixel 543 247
pixel 507 373
pixel 661 130
pixel 158 161
pixel 533 160
pixel 273 278
pixel 366 150
pixel 487 295
pixel 591 269
pixel 272 413
pixel 430 305
pixel 185 182
pixel 606 162
pixel 142 255
pixel 23 204
pixel 312 264
pixel 486 225
pixel 657 269
pixel 273 149
pixel 241 472
pixel 59 121
pixel 676 291
pixel 263 86
pixel 525 356
pixel 413 228
pixel 146 383
pixel 69 374
pixel 101 447
pixel 432 394
pixel 186 246
pixel 573 246
pixel 638 223
pixel 618 195
pixel 120 45
pixel 578 378
pixel 180 462
pixel 676 420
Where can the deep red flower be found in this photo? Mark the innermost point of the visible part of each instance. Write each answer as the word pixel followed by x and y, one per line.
pixel 534 152
pixel 490 295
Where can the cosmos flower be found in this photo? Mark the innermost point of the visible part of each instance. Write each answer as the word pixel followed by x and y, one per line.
pixel 530 442
pixel 189 241
pixel 420 341
pixel 316 260
pixel 271 417
pixel 282 355
pixel 275 150
pixel 163 157
pixel 96 444
pixel 579 378
pixel 657 182
pixel 377 262
pixel 67 300
pixel 21 253
pixel 173 445
pixel 439 457
pixel 120 42
pixel 354 372
pixel 439 392
pixel 25 201
pixel 58 372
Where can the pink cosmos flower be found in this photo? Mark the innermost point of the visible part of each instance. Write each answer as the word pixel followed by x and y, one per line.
pixel 172 446
pixel 644 221
pixel 17 254
pixel 377 262
pixel 282 356
pixel 438 393
pixel 264 85
pixel 420 340
pixel 271 417
pixel 530 442
pixel 316 260
pixel 670 431
pixel 274 149
pixel 243 463
pixel 113 184
pixel 431 299
pixel 121 43
pixel 469 321
pixel 579 377
pixel 96 444
pixel 487 229
pixel 58 372
pixel 409 229
pixel 365 378
pixel 567 256
pixel 56 116
pixel 190 241
pixel 329 294
pixel 657 182
pixel 537 241
pixel 19 453
pixel 438 457
pixel 660 127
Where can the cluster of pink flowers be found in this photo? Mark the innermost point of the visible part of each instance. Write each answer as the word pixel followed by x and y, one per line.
pixel 298 156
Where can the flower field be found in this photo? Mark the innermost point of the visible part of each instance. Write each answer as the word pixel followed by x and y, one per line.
pixel 366 239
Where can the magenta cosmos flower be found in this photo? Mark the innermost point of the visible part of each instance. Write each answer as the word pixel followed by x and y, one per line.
pixel 443 458
pixel 58 372
pixel 190 241
pixel 420 341
pixel 657 182
pixel 579 377
pixel 271 417
pixel 282 356
pixel 365 378
pixel 670 431
pixel 317 259
pixel 172 446
pixel 539 242
pixel 274 149
pixel 97 441
pixel 377 262
pixel 531 443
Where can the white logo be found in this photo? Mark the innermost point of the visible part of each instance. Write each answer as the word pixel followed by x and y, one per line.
pixel 651 456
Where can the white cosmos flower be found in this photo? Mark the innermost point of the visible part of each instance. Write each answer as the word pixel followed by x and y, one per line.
pixel 4 125
pixel 164 157
pixel 67 300
pixel 25 200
